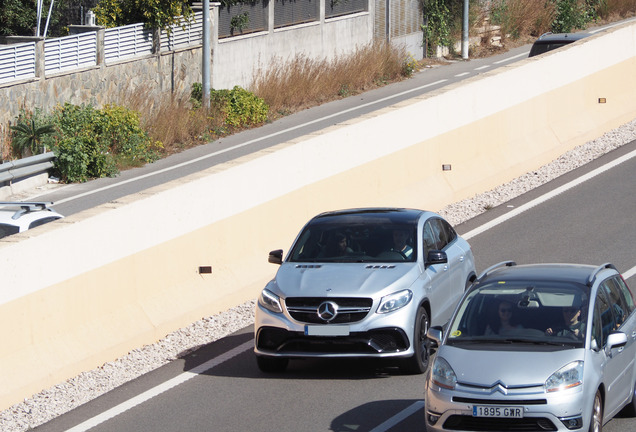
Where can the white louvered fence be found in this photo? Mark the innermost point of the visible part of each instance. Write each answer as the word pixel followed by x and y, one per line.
pixel 70 52
pixel 17 62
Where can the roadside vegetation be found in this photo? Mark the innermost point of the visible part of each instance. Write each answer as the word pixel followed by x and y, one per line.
pixel 91 142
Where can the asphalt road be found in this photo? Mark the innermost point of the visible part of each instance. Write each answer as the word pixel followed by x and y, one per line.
pixel 219 387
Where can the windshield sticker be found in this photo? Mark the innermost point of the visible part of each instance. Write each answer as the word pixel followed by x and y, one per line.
pixel 457 333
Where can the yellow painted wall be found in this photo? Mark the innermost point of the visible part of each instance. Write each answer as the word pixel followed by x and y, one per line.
pixel 125 274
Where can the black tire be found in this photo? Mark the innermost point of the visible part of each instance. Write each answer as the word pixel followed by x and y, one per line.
pixel 271 364
pixel 596 422
pixel 418 362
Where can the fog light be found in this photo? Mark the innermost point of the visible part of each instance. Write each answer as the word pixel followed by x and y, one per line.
pixel 432 419
pixel 572 422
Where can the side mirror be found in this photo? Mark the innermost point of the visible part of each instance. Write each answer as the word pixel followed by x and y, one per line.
pixel 276 256
pixel 616 340
pixel 435 335
pixel 436 257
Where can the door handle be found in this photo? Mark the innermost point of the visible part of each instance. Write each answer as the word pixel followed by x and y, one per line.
pixel 445 268
pixel 461 259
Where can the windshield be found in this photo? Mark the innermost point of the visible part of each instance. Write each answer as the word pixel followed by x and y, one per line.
pixel 357 238
pixel 552 313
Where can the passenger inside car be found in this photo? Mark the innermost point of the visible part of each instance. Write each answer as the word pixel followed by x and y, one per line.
pixel 572 324
pixel 503 323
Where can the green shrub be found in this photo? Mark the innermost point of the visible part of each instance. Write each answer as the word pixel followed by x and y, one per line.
pixel 94 142
pixel 241 107
pixel 32 133
pixel 573 14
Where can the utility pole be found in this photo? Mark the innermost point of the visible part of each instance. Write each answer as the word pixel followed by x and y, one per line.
pixel 465 31
pixel 205 69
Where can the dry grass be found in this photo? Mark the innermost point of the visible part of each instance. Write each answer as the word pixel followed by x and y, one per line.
pixel 523 18
pixel 5 143
pixel 174 124
pixel 615 10
pixel 302 82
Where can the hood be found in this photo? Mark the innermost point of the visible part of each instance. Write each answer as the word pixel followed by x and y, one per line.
pixel 510 368
pixel 344 279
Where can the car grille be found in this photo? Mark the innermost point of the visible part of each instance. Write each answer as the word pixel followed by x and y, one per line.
pixel 469 423
pixel 388 340
pixel 350 309
pixel 500 401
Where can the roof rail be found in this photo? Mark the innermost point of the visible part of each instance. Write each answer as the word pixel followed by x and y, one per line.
pixel 496 266
pixel 597 270
pixel 26 206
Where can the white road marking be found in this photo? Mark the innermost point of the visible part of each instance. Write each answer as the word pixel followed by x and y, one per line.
pixel 527 206
pixel 610 26
pixel 523 54
pixel 396 419
pixel 629 273
pixel 462 74
pixel 482 67
pixel 246 143
pixel 155 391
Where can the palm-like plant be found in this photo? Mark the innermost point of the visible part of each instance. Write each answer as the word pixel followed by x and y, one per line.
pixel 27 135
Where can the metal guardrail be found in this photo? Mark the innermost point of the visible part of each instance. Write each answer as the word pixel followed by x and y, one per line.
pixel 18 169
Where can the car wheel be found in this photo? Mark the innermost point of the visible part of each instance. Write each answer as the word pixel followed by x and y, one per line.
pixel 418 362
pixel 596 423
pixel 271 364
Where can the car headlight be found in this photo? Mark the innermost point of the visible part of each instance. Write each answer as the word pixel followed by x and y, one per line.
pixel 570 375
pixel 395 301
pixel 442 374
pixel 270 301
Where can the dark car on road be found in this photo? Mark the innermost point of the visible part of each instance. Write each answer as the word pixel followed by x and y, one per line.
pixel 551 41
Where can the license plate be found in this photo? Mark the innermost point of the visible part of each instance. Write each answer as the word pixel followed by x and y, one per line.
pixel 326 330
pixel 497 411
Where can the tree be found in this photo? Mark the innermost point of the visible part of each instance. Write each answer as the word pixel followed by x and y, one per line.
pixel 19 17
pixel 161 14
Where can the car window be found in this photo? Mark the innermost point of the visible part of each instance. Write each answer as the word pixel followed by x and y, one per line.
pixel 6 230
pixel 353 241
pixel 439 234
pixel 603 323
pixel 627 294
pixel 522 311
pixel 429 239
pixel 620 307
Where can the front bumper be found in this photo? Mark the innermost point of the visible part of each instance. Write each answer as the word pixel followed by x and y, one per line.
pixel 374 343
pixel 378 335
pixel 452 410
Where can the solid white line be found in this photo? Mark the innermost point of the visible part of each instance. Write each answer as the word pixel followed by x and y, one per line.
pixel 610 26
pixel 210 155
pixel 501 219
pixel 629 273
pixel 155 391
pixel 523 54
pixel 396 419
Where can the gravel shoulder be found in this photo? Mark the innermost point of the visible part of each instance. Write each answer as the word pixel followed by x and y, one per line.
pixel 61 398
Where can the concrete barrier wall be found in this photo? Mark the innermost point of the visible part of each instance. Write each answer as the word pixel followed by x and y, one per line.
pixel 234 61
pixel 89 288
